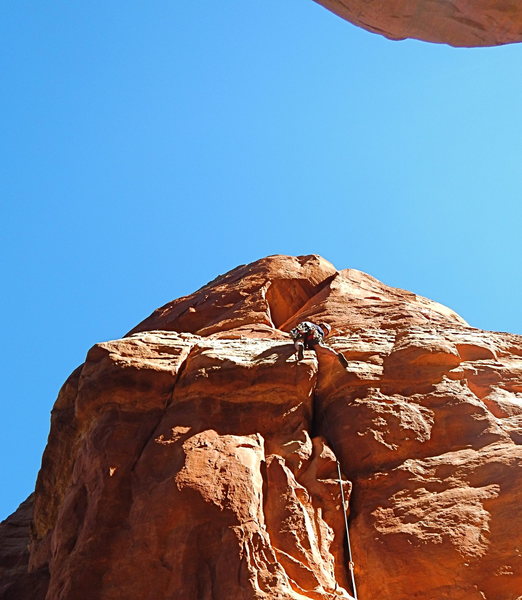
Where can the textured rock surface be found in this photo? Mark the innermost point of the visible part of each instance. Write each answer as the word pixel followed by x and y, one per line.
pixel 455 22
pixel 195 459
pixel 15 580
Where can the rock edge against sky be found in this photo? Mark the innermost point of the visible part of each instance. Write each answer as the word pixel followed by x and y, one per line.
pixel 455 22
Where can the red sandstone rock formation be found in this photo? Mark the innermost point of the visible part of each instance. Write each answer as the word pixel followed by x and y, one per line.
pixel 455 22
pixel 195 459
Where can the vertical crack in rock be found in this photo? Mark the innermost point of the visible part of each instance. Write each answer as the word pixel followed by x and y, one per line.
pixel 168 401
pixel 324 448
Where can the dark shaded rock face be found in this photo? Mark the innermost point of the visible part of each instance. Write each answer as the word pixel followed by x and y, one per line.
pixel 195 459
pixel 455 22
pixel 16 582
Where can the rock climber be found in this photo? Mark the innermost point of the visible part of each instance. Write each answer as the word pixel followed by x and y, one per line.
pixel 306 335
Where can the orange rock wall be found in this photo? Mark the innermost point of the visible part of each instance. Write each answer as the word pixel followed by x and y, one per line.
pixel 195 459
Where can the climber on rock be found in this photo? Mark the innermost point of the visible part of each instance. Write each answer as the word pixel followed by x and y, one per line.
pixel 306 335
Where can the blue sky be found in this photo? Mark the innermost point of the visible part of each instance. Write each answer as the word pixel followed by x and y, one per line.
pixel 148 147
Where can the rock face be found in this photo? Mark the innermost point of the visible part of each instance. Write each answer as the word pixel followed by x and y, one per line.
pixel 195 459
pixel 455 22
pixel 16 581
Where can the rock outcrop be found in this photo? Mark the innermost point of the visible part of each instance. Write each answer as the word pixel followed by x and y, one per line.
pixel 455 22
pixel 195 459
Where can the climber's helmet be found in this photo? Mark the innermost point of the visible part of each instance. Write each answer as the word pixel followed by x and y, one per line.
pixel 326 328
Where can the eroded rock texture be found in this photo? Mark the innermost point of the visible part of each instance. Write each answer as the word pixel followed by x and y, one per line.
pixel 195 459
pixel 455 22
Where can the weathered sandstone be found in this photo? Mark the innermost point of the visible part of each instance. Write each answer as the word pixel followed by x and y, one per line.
pixel 15 580
pixel 195 459
pixel 455 22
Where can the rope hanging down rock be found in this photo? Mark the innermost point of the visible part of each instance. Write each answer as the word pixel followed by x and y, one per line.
pixel 350 561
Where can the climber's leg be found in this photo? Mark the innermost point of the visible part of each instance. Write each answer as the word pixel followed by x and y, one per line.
pixel 299 349
pixel 340 357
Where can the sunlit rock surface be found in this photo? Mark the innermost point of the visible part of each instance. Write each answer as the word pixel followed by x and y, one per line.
pixel 455 22
pixel 195 459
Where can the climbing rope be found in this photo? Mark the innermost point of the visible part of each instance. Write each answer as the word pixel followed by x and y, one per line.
pixel 350 561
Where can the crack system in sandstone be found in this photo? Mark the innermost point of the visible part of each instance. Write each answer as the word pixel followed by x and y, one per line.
pixel 286 298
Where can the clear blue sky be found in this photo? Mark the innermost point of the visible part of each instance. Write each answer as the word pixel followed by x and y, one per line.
pixel 148 147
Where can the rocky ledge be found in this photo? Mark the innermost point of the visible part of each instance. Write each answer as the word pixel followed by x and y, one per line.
pixel 455 22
